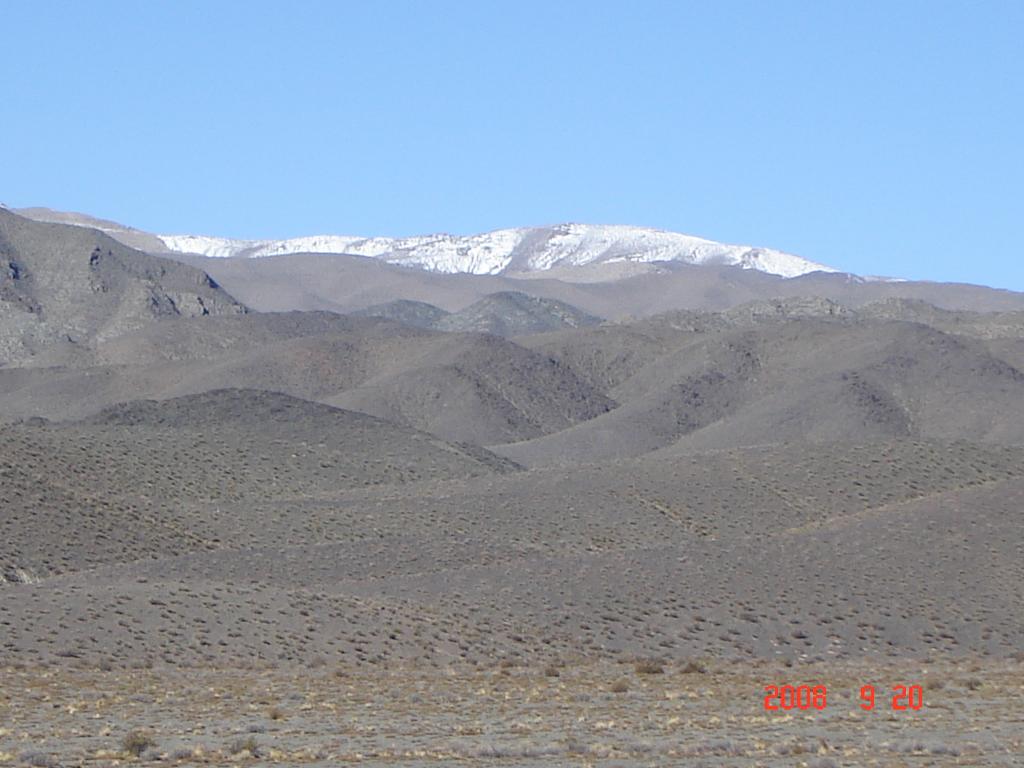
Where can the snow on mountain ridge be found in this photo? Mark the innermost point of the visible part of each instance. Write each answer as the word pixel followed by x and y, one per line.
pixel 513 250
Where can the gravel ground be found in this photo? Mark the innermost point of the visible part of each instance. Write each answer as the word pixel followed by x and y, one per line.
pixel 707 713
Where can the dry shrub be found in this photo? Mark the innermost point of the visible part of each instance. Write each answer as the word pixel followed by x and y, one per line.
pixel 244 744
pixel 136 742
pixel 649 667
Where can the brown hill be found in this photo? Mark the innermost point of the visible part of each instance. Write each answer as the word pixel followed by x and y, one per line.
pixel 800 379
pixel 513 313
pixel 464 387
pixel 479 389
pixel 145 479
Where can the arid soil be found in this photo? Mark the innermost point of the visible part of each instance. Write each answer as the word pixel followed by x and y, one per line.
pixel 701 713
pixel 229 537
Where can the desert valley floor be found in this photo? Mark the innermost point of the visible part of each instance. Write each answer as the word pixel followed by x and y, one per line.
pixel 574 713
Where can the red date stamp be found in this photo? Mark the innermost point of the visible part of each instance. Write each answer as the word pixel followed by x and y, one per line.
pixel 803 697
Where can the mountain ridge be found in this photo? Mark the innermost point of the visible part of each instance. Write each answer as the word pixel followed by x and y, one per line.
pixel 515 250
pixel 518 250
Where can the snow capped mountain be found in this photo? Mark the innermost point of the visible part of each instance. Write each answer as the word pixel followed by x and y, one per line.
pixel 510 251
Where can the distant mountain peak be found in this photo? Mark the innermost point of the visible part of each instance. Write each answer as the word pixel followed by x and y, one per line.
pixel 511 251
pixel 516 251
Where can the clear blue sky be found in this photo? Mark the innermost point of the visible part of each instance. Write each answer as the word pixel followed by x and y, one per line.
pixel 878 137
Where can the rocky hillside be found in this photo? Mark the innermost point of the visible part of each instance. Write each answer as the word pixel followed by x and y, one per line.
pixel 65 288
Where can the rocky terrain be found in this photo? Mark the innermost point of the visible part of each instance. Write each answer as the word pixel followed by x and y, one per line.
pixel 65 288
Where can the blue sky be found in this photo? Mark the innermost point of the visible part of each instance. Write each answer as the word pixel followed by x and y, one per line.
pixel 878 137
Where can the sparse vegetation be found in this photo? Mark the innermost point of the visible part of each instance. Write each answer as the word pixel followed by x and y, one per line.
pixel 244 744
pixel 136 742
pixel 38 760
pixel 649 667
pixel 534 722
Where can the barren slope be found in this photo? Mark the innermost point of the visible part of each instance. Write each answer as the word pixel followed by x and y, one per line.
pixel 900 547
pixel 459 386
pixel 800 379
pixel 145 478
pixel 64 289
